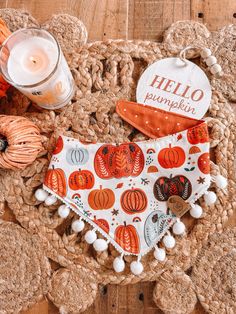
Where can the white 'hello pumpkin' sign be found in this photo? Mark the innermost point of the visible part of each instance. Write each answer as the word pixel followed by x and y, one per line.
pixel 177 86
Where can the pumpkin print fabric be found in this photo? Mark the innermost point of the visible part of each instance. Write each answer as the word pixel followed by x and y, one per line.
pixel 122 190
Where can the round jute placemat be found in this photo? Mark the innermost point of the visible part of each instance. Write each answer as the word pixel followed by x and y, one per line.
pixel 24 269
pixel 105 72
pixel 66 289
pixel 214 273
pixel 175 293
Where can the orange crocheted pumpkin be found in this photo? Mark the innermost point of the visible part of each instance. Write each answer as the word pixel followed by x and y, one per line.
pixel 20 142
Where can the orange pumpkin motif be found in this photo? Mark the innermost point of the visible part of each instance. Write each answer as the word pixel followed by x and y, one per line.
pixel 204 163
pixel 118 161
pixel 102 223
pixel 194 150
pixel 171 157
pixel 59 146
pixel 127 237
pixel 198 134
pixel 133 201
pixel 56 181
pixel 81 180
pixel 101 199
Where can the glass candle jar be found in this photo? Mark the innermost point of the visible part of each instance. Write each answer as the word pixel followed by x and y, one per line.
pixel 32 61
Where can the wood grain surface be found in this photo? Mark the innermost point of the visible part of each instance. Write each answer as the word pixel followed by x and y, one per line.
pixel 127 19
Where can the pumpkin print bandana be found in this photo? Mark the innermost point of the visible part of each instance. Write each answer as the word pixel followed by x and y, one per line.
pixel 122 190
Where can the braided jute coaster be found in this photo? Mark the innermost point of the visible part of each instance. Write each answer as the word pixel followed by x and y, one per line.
pixel 105 72
pixel 214 273
pixel 24 269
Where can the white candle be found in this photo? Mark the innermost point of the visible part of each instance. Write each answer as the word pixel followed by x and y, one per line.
pixel 33 62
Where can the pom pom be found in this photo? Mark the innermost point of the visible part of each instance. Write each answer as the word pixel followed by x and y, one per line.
pixel 205 53
pixel 210 198
pixel 41 195
pixel 50 200
pixel 136 267
pixel 118 264
pixel 90 236
pixel 63 211
pixel 179 228
pixel 160 254
pixel 100 245
pixel 221 181
pixel 77 225
pixel 169 241
pixel 196 211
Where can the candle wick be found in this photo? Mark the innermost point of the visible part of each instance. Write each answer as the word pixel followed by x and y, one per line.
pixel 33 60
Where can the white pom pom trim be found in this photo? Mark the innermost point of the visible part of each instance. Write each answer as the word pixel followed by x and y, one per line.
pixel 100 245
pixel 179 227
pixel 90 236
pixel 169 241
pixel 196 211
pixel 136 267
pixel 119 264
pixel 50 200
pixel 77 225
pixel 63 211
pixel 41 195
pixel 159 254
pixel 210 198
pixel 220 181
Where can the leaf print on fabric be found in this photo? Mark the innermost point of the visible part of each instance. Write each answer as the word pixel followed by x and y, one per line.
pixel 171 157
pixel 118 161
pixel 133 201
pixel 127 237
pixel 55 180
pixel 165 187
pixel 155 225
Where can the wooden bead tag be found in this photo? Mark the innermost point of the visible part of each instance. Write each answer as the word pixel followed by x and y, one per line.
pixel 177 205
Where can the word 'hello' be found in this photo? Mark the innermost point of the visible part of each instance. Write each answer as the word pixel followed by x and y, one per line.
pixel 176 88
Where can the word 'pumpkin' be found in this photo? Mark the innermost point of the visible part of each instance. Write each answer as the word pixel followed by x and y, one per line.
pixel 165 187
pixel 198 134
pixel 101 199
pixel 59 146
pixel 204 163
pixel 81 180
pixel 171 157
pixel 56 181
pixel 77 156
pixel 127 237
pixel 118 161
pixel 133 201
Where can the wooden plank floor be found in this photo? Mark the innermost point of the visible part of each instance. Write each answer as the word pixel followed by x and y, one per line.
pixel 128 19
